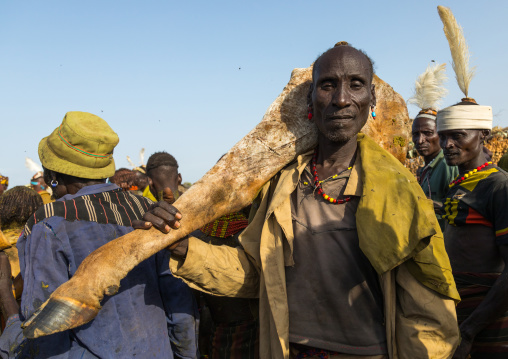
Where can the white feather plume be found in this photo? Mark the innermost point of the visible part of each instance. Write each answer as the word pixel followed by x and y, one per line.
pixel 130 162
pixel 429 89
pixel 32 166
pixel 458 47
pixel 142 157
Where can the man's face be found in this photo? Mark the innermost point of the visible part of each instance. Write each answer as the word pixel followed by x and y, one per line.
pixel 162 177
pixel 461 147
pixel 425 137
pixel 342 93
pixel 141 180
pixel 40 184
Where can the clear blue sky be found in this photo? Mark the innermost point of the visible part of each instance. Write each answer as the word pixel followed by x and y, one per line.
pixel 193 77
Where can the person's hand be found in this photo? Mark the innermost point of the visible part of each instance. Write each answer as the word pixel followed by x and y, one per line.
pixel 164 216
pixel 161 215
pixel 463 349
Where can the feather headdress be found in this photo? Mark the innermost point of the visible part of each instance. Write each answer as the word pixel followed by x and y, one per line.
pixel 458 47
pixel 429 90
pixel 32 166
pixel 142 157
pixel 130 162
pixel 141 167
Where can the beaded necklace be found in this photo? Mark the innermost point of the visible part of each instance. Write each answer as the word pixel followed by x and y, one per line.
pixel 469 174
pixel 319 188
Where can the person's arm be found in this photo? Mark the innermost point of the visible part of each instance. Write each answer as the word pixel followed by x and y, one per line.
pixel 426 321
pixel 492 307
pixel 8 304
pixel 217 270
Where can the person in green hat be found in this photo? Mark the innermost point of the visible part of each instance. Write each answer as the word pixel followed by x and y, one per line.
pixel 77 158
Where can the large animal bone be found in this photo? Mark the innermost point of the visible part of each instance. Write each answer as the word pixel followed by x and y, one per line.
pixel 230 185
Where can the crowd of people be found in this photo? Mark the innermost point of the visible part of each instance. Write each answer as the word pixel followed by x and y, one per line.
pixel 343 254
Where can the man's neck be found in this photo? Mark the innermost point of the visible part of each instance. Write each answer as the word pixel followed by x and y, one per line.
pixel 74 188
pixel 334 157
pixel 472 164
pixel 428 159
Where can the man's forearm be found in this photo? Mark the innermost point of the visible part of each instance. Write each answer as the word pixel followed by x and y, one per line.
pixel 491 308
pixel 8 304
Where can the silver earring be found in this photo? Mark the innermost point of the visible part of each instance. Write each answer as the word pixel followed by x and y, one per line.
pixel 54 183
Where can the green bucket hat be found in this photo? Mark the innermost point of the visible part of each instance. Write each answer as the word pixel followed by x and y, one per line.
pixel 82 146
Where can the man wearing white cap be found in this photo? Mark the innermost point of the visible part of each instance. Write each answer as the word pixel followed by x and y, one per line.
pixel 476 236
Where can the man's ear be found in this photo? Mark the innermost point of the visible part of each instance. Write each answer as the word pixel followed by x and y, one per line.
pixel 309 94
pixel 373 94
pixel 179 179
pixel 484 134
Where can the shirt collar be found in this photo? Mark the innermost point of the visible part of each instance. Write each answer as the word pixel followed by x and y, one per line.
pixel 354 184
pixel 437 159
pixel 88 190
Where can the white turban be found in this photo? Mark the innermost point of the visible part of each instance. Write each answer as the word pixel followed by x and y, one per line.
pixel 464 117
pixel 425 115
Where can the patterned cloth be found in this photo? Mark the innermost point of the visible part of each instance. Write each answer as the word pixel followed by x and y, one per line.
pixel 226 226
pixel 237 341
pixel 480 199
pixel 492 341
pixel 235 331
pixel 112 207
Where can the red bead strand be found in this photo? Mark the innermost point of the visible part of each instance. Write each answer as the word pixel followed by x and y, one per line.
pixel 470 173
pixel 319 188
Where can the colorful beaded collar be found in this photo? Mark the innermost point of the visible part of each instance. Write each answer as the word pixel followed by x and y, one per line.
pixel 469 174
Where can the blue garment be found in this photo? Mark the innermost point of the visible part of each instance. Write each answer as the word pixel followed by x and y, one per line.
pixel 153 315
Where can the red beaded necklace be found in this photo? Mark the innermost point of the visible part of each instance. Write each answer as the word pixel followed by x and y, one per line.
pixel 470 173
pixel 317 184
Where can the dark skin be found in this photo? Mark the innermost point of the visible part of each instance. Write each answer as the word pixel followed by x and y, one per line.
pixel 142 180
pixel 164 177
pixel 472 248
pixel 67 184
pixel 3 187
pixel 8 304
pixel 163 182
pixel 425 138
pixel 40 186
pixel 426 141
pixel 340 96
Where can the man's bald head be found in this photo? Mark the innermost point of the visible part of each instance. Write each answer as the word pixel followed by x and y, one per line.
pixel 340 47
